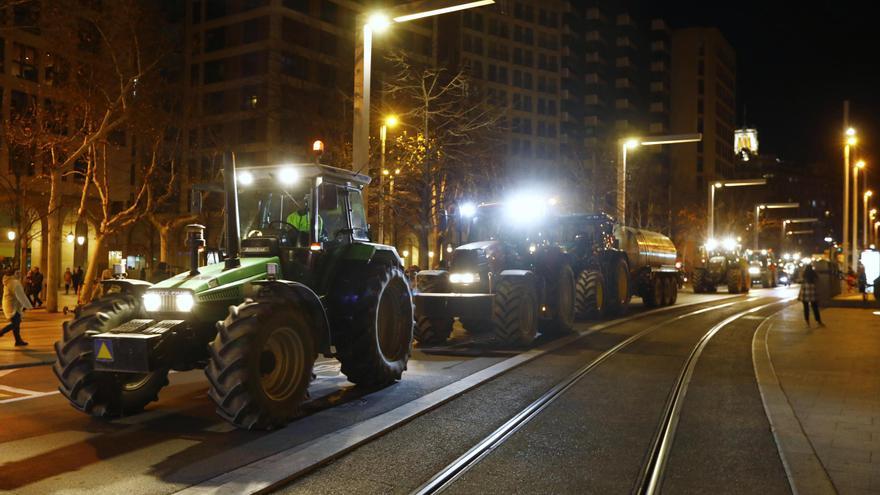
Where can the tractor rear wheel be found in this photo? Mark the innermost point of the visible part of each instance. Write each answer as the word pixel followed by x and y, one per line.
pixel 99 393
pixel 261 363
pixel 618 288
pixel 671 290
pixel 589 302
pixel 434 330
pixel 734 281
pixel 699 281
pixel 561 296
pixel 379 342
pixel 515 311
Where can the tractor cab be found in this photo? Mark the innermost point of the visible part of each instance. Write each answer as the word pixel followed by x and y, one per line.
pixel 296 212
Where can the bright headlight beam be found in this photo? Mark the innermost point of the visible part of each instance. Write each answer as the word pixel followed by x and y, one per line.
pixel 152 302
pixel 184 302
pixel 245 178
pixel 729 244
pixel 288 175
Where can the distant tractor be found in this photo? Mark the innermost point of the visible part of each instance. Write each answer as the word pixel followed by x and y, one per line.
pixel 721 264
pixel 612 263
pixel 303 279
pixel 510 281
pixel 762 268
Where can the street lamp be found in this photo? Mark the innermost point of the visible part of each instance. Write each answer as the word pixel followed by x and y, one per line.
pixel 866 196
pixel 855 211
pixel 69 237
pixel 768 206
pixel 793 220
pixel 390 121
pixel 10 235
pixel 378 22
pixel 849 141
pixel 719 185
pixel 876 227
pixel 633 143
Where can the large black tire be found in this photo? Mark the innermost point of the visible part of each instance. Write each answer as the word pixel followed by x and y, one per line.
pixel 515 311
pixel 102 394
pixel 671 290
pixel 432 331
pixel 618 288
pixel 261 363
pixel 476 326
pixel 376 349
pixel 589 302
pixel 746 281
pixel 561 295
pixel 734 281
pixel 655 295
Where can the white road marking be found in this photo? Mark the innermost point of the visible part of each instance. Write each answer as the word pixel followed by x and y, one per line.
pixel 20 391
pixel 28 397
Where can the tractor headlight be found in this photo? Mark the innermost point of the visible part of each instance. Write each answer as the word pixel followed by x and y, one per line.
pixel 152 301
pixel 184 302
pixel 754 270
pixel 464 278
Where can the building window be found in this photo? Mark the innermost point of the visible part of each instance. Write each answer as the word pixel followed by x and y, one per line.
pixel 622 82
pixel 255 30
pixel 656 86
pixel 658 46
pixel 593 14
pixel 622 62
pixel 658 66
pixel 657 106
pixel 298 5
pixel 621 103
pixel 699 165
pixel 24 62
pixel 215 39
pixel 623 41
pixel 701 87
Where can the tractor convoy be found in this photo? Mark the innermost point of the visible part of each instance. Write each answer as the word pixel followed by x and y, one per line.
pixel 300 277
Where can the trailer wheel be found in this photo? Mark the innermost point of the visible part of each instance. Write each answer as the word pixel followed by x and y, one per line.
pixel 561 295
pixel 655 296
pixel 589 300
pixel 261 364
pixel 618 287
pixel 514 311
pixel 102 394
pixel 734 281
pixel 671 290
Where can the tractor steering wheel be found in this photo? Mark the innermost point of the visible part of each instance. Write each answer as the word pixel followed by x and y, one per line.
pixel 289 233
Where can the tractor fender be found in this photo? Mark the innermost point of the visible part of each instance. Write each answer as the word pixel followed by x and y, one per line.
pixel 440 279
pixel 369 253
pixel 300 294
pixel 131 286
pixel 517 273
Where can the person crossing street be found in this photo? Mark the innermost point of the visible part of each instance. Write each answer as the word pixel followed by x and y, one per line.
pixel 15 302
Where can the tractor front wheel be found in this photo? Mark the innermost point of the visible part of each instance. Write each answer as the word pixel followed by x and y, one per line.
pixel 515 311
pixel 561 296
pixel 261 364
pixel 590 295
pixel 99 393
pixel 734 281
pixel 378 345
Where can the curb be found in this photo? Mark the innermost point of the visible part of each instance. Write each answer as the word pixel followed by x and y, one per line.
pixel 806 473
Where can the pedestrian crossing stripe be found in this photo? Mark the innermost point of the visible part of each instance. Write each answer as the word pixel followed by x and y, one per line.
pixel 104 353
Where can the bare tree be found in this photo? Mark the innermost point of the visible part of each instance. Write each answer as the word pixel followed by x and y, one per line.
pixel 449 142
pixel 106 63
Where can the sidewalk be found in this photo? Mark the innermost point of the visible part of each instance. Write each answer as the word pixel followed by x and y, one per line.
pixel 831 379
pixel 40 329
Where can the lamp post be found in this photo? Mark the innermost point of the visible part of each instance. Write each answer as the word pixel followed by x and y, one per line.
pixel 876 228
pixel 633 143
pixel 768 206
pixel 718 185
pixel 867 195
pixel 390 121
pixel 792 220
pixel 871 218
pixel 855 212
pixel 378 22
pixel 849 141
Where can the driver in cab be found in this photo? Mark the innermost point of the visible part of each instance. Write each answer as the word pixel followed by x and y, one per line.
pixel 299 219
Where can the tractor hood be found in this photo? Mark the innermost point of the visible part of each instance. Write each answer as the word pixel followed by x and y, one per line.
pixel 474 255
pixel 214 276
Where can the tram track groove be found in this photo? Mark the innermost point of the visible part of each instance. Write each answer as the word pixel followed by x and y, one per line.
pixel 473 456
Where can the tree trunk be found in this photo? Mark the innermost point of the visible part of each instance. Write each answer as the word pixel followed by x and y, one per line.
pixel 164 235
pixel 53 271
pixel 91 275
pixel 22 253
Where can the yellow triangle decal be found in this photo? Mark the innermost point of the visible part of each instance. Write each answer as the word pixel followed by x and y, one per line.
pixel 104 352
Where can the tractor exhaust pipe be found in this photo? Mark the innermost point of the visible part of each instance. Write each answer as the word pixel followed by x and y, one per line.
pixel 195 240
pixel 233 240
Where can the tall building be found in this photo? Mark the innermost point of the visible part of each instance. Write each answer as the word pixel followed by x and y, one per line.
pixel 703 100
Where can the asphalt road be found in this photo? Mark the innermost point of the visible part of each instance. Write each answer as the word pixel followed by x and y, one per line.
pixel 590 440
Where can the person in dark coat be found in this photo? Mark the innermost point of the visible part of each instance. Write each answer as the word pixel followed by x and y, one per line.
pixel 808 295
pixel 78 277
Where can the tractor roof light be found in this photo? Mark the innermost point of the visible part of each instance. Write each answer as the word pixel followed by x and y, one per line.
pixel 711 245
pixel 245 178
pixel 526 209
pixel 288 175
pixel 729 244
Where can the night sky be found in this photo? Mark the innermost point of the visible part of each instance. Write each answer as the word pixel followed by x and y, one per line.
pixel 796 63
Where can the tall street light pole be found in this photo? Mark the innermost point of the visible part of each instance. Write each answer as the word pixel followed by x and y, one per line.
pixel 767 206
pixel 855 213
pixel 389 122
pixel 718 185
pixel 793 220
pixel 876 228
pixel 867 214
pixel 633 143
pixel 376 23
pixel 849 141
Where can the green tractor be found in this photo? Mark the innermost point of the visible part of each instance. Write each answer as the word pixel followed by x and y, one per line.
pixel 722 264
pixel 303 279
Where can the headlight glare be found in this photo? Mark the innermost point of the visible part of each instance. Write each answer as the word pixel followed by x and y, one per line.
pixel 464 278
pixel 184 302
pixel 152 301
pixel 754 270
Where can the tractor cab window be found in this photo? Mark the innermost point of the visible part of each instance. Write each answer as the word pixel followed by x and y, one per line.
pixel 359 227
pixel 283 214
pixel 333 213
pixel 486 225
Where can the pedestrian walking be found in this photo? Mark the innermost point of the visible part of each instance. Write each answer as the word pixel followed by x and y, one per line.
pixel 36 283
pixel 15 302
pixel 68 279
pixel 863 282
pixel 78 279
pixel 143 273
pixel 808 296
